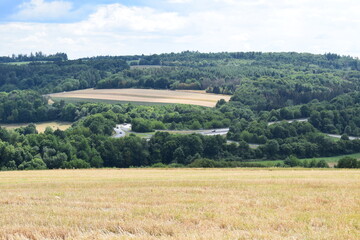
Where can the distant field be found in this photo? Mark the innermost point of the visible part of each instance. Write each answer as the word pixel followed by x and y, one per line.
pixel 333 160
pixel 143 96
pixel 147 66
pixel 330 160
pixel 180 204
pixel 17 63
pixel 24 63
pixel 93 100
pixel 40 127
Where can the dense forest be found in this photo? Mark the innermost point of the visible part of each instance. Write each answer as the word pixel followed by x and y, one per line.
pixel 37 57
pixel 323 90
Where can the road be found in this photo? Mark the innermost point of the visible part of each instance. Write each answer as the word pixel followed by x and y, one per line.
pixel 290 121
pixel 213 132
pixel 207 132
pixel 122 129
pixel 339 136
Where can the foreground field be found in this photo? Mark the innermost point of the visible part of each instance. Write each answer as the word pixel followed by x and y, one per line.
pixel 40 127
pixel 180 204
pixel 144 96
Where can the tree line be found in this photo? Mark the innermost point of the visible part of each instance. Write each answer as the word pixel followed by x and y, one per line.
pixel 38 56
pixel 88 143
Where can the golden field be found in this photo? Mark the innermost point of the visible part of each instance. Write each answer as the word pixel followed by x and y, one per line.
pixel 145 96
pixel 180 204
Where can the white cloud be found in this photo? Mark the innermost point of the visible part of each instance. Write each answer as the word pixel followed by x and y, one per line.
pixel 40 10
pixel 113 29
pixel 117 16
pixel 214 25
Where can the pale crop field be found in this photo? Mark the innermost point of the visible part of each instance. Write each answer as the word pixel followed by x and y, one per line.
pixel 200 98
pixel 40 127
pixel 180 204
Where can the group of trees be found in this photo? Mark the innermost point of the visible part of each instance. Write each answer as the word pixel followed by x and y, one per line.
pixel 340 115
pixel 293 161
pixel 89 144
pixel 155 77
pixel 301 139
pixel 262 81
pixel 25 106
pixel 38 56
pixel 48 77
pixel 276 141
pixel 348 162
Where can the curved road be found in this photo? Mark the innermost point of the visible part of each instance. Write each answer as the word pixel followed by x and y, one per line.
pixel 122 129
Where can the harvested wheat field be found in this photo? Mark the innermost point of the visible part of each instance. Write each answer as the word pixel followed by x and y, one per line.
pixel 145 96
pixel 180 204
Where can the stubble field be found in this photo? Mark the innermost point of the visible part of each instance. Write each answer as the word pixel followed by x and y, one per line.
pixel 180 204
pixel 145 96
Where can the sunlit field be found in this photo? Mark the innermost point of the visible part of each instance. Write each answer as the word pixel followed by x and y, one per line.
pixel 180 204
pixel 144 96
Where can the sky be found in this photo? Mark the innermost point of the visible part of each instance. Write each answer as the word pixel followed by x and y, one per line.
pixel 85 28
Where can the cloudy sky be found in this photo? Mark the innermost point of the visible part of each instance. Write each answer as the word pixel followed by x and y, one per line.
pixel 121 27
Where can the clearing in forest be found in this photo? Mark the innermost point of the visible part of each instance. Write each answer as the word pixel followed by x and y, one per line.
pixel 180 204
pixel 145 96
pixel 40 127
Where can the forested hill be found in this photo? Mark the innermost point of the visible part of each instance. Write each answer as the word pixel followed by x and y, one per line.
pixel 323 90
pixel 262 81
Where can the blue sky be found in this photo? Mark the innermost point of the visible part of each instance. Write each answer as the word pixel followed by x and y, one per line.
pixel 82 8
pixel 111 27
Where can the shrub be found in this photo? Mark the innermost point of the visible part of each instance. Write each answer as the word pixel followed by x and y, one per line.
pixel 203 163
pixel 292 161
pixel 158 165
pixel 348 162
pixel 76 163
pixel 141 125
pixel 34 164
pixel 175 165
pixel 322 164
pixel 208 163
